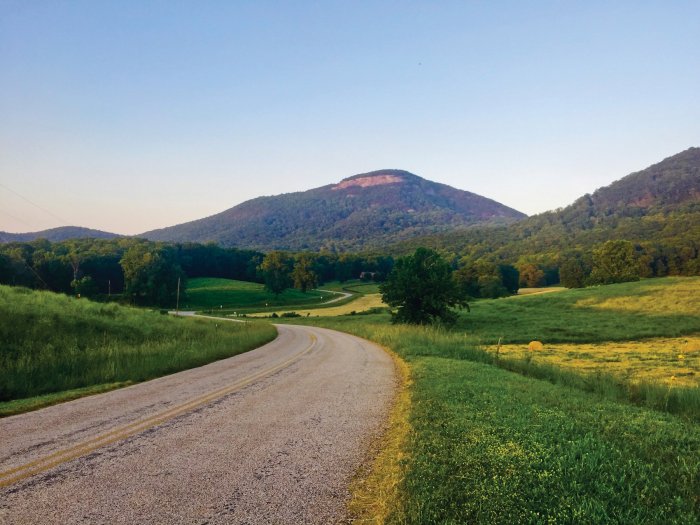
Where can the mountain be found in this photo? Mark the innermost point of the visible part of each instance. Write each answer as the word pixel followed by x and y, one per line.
pixel 669 185
pixel 660 204
pixel 57 234
pixel 362 211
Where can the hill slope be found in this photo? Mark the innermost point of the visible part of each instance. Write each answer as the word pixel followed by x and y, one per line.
pixel 658 204
pixel 362 211
pixel 57 234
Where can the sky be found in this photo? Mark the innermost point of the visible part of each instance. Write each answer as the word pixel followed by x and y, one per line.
pixel 127 116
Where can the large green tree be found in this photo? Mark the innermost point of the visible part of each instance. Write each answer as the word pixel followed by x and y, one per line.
pixel 422 288
pixel 276 269
pixel 615 262
pixel 303 273
pixel 151 274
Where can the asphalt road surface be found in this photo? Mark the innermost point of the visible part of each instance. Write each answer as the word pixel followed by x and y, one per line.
pixel 270 436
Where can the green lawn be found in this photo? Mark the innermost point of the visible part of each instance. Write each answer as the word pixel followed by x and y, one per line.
pixel 207 293
pixel 52 343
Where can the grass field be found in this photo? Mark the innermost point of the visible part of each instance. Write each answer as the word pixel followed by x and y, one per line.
pixel 207 293
pixel 668 307
pixel 360 303
pixel 673 361
pixel 52 344
pixel 549 444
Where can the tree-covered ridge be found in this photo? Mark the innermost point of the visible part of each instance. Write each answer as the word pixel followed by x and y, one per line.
pixel 57 234
pixel 345 216
pixel 657 209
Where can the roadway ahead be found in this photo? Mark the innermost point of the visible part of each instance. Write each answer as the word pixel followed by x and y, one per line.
pixel 270 436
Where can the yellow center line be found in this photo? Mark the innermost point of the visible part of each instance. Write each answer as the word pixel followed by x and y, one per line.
pixel 13 475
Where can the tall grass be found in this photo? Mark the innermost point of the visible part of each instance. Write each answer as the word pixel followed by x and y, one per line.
pixel 52 343
pixel 416 341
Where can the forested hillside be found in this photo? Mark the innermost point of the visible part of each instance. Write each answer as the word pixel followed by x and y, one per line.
pixel 361 212
pixel 657 209
pixel 57 234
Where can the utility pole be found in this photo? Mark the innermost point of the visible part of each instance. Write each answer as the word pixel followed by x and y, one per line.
pixel 177 301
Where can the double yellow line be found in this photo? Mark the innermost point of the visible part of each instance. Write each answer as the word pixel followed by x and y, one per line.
pixel 13 475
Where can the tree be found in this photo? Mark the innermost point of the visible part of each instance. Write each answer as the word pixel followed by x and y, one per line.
pixel 151 274
pixel 615 262
pixel 84 287
pixel 484 279
pixel 422 287
pixel 531 276
pixel 303 274
pixel 275 269
pixel 510 277
pixel 574 271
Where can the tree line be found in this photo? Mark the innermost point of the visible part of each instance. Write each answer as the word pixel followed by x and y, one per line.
pixel 146 273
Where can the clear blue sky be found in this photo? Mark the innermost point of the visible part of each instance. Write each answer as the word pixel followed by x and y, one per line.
pixel 127 116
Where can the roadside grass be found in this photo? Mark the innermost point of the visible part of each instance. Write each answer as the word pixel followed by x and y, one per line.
pixel 53 343
pixel 206 293
pixel 489 446
pixel 376 488
pixel 569 437
pixel 665 307
pixel 27 404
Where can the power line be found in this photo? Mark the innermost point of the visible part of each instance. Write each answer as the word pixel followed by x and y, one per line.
pixel 64 221
pixel 18 219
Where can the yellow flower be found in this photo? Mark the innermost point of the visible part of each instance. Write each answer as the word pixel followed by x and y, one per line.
pixel 681 357
pixel 673 378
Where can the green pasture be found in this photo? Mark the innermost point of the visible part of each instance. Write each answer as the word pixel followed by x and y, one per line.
pixel 664 307
pixel 52 343
pixel 225 296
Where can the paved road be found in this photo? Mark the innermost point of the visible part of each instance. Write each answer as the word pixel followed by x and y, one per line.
pixel 343 295
pixel 269 436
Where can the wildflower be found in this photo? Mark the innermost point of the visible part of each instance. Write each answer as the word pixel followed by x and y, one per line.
pixel 681 357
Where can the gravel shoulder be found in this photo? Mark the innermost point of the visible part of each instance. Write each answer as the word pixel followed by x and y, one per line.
pixel 282 448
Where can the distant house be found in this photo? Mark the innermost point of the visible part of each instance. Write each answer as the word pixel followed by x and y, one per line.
pixel 367 276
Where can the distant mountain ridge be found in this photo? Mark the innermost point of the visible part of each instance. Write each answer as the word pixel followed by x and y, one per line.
pixel 362 211
pixel 395 211
pixel 57 234
pixel 659 203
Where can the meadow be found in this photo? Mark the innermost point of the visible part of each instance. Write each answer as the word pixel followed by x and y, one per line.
pixel 663 307
pixel 56 347
pixel 357 304
pixel 224 296
pixel 516 439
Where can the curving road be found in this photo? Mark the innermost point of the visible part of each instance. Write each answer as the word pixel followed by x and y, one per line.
pixel 270 436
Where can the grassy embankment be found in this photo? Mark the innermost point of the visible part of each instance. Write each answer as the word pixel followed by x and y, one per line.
pixel 487 445
pixel 56 348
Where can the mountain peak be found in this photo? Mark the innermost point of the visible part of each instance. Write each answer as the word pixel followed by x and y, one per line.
pixel 374 178
pixel 359 212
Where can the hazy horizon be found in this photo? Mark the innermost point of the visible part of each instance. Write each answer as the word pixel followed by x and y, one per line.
pixel 127 117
